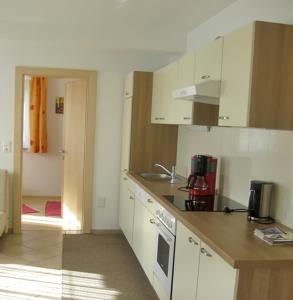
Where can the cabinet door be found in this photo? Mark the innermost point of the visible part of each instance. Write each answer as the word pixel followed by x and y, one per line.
pixel 144 238
pixel 126 209
pixel 186 264
pixel 126 134
pixel 157 98
pixel 186 70
pixel 216 279
pixel 236 77
pixel 166 109
pixel 208 62
pixel 128 85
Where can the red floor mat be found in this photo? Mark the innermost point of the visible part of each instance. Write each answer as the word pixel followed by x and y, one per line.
pixel 53 209
pixel 28 210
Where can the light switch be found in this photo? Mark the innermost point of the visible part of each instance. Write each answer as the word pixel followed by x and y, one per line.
pixel 101 202
pixel 6 147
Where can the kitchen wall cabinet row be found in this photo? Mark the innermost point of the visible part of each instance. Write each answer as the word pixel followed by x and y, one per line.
pixel 255 66
pixel 143 143
pixel 189 69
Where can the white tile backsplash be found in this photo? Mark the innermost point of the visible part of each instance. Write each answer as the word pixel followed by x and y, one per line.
pixel 246 154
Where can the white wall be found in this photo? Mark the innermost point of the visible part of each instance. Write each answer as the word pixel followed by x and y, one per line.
pixel 112 67
pixel 36 181
pixel 238 14
pixel 245 153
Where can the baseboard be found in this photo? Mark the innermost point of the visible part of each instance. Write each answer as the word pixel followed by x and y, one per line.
pixel 40 197
pixel 106 231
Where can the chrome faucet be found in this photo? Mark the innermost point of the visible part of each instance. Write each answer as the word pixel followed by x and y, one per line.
pixel 171 173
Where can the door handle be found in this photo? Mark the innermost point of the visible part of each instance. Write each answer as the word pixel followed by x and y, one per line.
pixel 205 252
pixel 62 151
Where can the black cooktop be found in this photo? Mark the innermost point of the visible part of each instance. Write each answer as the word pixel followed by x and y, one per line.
pixel 205 203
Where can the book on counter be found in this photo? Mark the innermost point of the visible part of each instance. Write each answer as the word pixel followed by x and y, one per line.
pixel 274 235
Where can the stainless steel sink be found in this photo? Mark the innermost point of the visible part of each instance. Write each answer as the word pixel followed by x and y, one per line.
pixel 157 177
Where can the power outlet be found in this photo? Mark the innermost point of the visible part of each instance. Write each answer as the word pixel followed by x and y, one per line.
pixel 101 201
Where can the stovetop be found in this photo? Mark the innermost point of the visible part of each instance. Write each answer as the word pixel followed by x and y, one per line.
pixel 204 203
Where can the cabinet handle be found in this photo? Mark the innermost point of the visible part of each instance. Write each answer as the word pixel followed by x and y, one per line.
pixel 150 201
pixel 131 197
pixel 152 221
pixel 186 118
pixel 205 76
pixel 126 93
pixel 125 170
pixel 191 240
pixel 205 252
pixel 159 118
pixel 224 118
pixel 124 178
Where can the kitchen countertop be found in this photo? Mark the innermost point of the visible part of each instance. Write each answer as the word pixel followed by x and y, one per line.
pixel 229 235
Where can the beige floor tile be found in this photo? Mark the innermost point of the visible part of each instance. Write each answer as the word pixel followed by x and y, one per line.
pixel 42 242
pixel 14 250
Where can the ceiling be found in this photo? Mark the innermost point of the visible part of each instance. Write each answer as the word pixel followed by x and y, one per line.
pixel 110 24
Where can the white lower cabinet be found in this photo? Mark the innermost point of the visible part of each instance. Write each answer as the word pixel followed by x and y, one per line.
pixel 216 278
pixel 126 209
pixel 144 238
pixel 200 273
pixel 186 264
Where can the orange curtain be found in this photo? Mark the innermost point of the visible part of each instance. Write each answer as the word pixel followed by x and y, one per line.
pixel 38 115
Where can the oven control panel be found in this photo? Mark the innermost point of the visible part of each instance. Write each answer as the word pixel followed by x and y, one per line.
pixel 167 219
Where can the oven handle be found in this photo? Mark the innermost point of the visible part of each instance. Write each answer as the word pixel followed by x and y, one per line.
pixel 168 236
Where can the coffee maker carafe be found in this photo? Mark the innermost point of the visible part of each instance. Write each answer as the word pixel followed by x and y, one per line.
pixel 202 180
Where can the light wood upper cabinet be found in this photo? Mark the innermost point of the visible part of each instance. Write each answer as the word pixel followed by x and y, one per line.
pixel 257 81
pixel 165 109
pixel 128 85
pixel 216 279
pixel 141 140
pixel 186 264
pixel 208 62
pixel 236 76
pixel 186 70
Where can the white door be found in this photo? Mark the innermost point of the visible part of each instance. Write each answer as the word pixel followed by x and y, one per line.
pixel 236 77
pixel 74 151
pixel 216 279
pixel 126 134
pixel 208 62
pixel 186 264
pixel 144 238
pixel 126 209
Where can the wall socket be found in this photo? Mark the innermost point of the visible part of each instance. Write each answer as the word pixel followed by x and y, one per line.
pixel 101 201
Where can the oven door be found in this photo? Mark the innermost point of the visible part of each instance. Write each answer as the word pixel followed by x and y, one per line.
pixel 163 269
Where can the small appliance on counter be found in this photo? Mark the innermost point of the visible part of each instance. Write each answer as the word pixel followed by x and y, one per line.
pixel 202 180
pixel 260 198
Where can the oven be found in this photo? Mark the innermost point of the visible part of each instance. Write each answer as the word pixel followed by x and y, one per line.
pixel 165 239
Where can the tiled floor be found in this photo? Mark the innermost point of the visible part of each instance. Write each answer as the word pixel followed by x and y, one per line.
pixel 31 265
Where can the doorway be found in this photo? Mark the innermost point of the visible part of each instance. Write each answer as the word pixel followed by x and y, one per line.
pixel 78 124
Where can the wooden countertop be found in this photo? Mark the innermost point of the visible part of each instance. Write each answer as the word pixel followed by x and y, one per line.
pixel 229 235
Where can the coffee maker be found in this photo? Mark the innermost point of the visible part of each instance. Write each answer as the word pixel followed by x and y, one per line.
pixel 202 180
pixel 259 208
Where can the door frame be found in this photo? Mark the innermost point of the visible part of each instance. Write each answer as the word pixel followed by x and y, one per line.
pixel 91 78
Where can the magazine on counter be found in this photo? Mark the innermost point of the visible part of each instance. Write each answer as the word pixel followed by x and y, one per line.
pixel 274 235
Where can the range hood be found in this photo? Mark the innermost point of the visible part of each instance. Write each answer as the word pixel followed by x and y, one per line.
pixel 207 92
